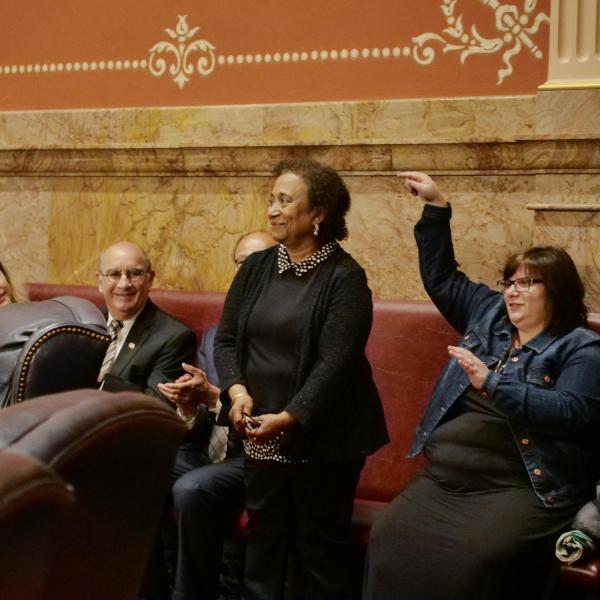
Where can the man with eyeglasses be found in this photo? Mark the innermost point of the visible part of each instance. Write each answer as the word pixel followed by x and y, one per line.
pixel 148 345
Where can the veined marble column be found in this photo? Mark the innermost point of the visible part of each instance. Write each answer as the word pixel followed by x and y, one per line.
pixel 574 59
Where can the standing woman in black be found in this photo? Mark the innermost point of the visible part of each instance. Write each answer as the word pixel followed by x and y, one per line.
pixel 290 352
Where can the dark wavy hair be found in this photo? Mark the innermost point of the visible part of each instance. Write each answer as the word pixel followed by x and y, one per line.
pixel 565 308
pixel 326 190
pixel 6 276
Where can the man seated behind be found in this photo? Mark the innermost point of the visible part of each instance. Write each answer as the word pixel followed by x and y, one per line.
pixel 148 345
pixel 208 498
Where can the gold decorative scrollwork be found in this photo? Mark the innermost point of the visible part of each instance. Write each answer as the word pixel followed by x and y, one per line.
pixel 181 49
pixel 514 26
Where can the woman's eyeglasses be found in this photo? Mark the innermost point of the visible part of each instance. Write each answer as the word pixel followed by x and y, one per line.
pixel 522 284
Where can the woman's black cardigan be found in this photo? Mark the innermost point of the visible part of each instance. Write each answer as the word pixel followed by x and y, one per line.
pixel 334 399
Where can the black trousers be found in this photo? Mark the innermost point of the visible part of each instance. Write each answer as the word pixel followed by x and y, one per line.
pixel 307 507
pixel 207 501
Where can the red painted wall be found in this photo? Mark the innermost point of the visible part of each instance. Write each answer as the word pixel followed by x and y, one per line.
pixel 42 45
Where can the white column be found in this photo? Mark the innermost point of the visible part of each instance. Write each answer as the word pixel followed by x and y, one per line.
pixel 574 59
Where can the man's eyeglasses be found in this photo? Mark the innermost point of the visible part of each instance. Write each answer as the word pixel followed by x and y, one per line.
pixel 131 274
pixel 522 284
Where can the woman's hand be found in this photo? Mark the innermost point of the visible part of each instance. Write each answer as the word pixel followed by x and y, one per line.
pixel 470 364
pixel 269 426
pixel 241 404
pixel 420 184
pixel 189 391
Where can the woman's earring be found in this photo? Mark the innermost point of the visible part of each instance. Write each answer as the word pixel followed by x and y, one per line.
pixel 316 230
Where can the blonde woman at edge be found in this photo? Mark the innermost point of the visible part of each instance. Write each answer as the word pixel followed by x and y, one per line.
pixel 7 295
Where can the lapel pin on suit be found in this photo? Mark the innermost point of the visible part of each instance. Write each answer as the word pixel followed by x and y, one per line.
pixel 131 345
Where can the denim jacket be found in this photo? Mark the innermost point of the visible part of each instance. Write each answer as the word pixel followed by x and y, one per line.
pixel 549 389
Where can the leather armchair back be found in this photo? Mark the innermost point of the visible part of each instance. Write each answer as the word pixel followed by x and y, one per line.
pixel 116 450
pixel 34 502
pixel 50 346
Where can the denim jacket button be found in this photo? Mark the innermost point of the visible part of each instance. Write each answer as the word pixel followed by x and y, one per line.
pixel 525 442
pixel 537 472
pixel 547 378
pixel 515 359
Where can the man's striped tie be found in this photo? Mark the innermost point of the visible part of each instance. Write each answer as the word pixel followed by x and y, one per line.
pixel 217 444
pixel 114 327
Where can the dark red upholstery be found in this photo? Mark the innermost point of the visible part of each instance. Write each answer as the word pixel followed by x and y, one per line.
pixel 34 503
pixel 407 349
pixel 584 574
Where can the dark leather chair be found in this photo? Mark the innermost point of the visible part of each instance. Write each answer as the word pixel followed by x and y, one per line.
pixel 116 450
pixel 48 347
pixel 34 502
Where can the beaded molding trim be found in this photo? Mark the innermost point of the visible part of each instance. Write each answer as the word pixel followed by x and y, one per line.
pixel 69 329
pixel 184 54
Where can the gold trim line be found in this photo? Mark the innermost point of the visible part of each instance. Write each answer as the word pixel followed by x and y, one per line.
pixel 572 85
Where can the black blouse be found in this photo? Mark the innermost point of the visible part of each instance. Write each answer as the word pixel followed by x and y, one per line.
pixel 473 449
pixel 273 331
pixel 331 393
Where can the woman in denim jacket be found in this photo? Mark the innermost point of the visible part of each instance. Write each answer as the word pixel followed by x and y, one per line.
pixel 509 435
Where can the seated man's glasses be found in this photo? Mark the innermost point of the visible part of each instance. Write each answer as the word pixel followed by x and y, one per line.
pixel 522 284
pixel 131 274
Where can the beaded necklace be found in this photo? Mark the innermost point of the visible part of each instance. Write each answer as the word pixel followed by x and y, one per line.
pixel 300 268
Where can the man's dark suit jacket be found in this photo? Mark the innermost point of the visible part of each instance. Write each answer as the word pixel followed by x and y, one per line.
pixel 152 353
pixel 205 359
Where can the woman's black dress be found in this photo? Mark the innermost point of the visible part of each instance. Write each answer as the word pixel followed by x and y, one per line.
pixel 469 526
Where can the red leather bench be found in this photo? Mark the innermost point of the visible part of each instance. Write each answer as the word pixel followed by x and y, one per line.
pixel 407 349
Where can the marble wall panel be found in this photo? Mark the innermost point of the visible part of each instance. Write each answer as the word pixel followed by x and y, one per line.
pixel 553 156
pixel 188 225
pixel 568 188
pixel 516 157
pixel 333 123
pixel 568 112
pixel 490 220
pixel 187 161
pixel 579 233
pixel 186 183
pixel 24 205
